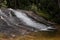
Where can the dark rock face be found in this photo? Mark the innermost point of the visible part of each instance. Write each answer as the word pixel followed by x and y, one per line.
pixel 11 25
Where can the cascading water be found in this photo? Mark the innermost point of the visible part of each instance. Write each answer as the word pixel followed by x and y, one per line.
pixel 28 21
pixel 20 23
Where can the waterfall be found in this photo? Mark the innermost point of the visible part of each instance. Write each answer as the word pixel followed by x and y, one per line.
pixel 30 22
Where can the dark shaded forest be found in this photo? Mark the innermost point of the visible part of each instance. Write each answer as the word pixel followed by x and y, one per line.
pixel 50 9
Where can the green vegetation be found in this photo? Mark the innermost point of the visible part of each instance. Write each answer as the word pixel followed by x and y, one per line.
pixel 3 4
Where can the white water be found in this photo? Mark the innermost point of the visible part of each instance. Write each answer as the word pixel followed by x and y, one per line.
pixel 28 21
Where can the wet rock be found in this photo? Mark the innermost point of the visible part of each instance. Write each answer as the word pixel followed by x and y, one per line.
pixel 11 25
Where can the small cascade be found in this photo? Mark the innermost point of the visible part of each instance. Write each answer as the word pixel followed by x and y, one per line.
pixel 30 22
pixel 18 22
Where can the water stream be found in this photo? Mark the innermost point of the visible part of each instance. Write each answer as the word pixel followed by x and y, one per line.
pixel 28 21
